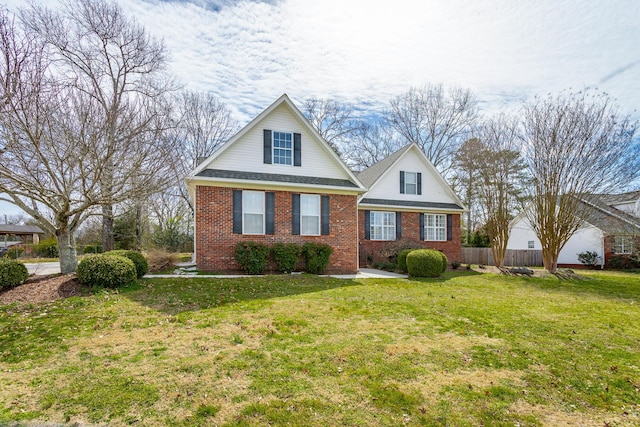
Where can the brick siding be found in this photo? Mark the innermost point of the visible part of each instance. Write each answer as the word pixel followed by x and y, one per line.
pixel 215 241
pixel 379 251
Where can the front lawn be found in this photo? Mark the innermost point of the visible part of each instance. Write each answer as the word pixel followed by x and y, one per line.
pixel 467 349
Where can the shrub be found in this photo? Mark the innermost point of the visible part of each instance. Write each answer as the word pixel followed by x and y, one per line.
pixel 425 263
pixel 92 249
pixel 445 262
pixel 106 271
pixel 623 262
pixel 402 259
pixel 12 273
pixel 47 248
pixel 455 265
pixel 286 256
pixel 317 257
pixel 385 265
pixel 142 266
pixel 14 252
pixel 588 258
pixel 160 260
pixel 252 257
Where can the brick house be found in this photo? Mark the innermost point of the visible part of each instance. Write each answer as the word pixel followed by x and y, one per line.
pixel 278 180
pixel 408 205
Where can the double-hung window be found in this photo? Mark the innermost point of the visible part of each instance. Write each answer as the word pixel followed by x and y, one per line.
pixel 410 183
pixel 382 225
pixel 282 148
pixel 310 214
pixel 252 212
pixel 623 244
pixel 435 227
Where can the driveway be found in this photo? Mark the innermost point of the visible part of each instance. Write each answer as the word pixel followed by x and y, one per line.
pixel 42 268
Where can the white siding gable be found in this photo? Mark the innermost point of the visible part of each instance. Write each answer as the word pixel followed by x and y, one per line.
pixel 434 189
pixel 246 153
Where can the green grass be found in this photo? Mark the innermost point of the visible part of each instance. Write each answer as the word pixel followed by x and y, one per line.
pixel 466 349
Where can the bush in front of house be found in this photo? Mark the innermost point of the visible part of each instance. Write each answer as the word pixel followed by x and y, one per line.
pixel 160 260
pixel 252 257
pixel 425 263
pixel 445 261
pixel 12 273
pixel 106 271
pixel 142 266
pixel 588 258
pixel 286 256
pixel 317 257
pixel 623 262
pixel 47 248
pixel 402 259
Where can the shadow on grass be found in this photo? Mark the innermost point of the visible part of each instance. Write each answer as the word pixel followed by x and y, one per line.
pixel 173 296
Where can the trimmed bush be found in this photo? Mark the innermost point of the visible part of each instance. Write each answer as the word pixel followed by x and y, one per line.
pixel 426 263
pixel 402 259
pixel 445 262
pixel 12 273
pixel 286 256
pixel 142 266
pixel 317 257
pixel 47 248
pixel 106 271
pixel 252 257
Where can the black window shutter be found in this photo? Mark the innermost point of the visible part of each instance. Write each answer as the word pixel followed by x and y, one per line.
pixel 401 182
pixel 270 213
pixel 398 225
pixel 297 149
pixel 367 225
pixel 267 146
pixel 449 227
pixel 237 211
pixel 295 214
pixel 324 209
pixel 419 183
pixel 421 226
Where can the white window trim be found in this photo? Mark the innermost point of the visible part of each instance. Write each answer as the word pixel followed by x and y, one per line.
pixel 407 183
pixel 434 227
pixel 245 211
pixel 382 227
pixel 319 215
pixel 273 148
pixel 531 244
pixel 626 244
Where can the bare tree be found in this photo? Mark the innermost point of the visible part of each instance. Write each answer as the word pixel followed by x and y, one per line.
pixel 576 145
pixel 370 143
pixel 334 121
pixel 502 173
pixel 57 145
pixel 435 119
pixel 100 53
pixel 465 177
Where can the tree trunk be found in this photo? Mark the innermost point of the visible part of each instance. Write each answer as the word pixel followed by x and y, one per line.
pixel 139 227
pixel 67 251
pixel 108 243
pixel 550 261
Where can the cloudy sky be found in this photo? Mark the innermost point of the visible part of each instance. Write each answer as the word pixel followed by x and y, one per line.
pixel 364 52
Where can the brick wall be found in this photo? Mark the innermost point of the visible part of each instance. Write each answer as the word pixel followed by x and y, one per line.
pixel 379 251
pixel 215 241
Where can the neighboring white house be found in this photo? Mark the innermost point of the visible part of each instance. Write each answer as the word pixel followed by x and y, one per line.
pixel 613 228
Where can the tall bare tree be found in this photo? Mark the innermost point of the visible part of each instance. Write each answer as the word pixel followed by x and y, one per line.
pixel 465 177
pixel 57 145
pixel 335 122
pixel 436 119
pixel 102 54
pixel 576 145
pixel 371 142
pixel 502 173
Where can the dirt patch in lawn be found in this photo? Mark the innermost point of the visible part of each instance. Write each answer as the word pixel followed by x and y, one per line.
pixel 40 289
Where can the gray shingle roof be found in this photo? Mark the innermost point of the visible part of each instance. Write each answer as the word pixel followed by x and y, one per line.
pixel 19 229
pixel 370 175
pixel 412 204
pixel 609 219
pixel 290 179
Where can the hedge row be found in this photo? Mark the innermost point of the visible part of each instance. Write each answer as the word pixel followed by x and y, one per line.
pixel 253 256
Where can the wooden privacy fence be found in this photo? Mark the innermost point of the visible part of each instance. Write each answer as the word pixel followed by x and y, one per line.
pixel 513 257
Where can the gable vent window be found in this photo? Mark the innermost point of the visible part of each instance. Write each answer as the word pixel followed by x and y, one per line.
pixel 282 148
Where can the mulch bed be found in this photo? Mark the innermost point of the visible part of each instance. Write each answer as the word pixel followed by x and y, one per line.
pixel 38 289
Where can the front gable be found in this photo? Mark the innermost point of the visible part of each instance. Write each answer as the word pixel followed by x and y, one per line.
pixel 411 182
pixel 278 148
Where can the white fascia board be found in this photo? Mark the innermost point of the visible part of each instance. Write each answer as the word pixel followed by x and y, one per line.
pixel 401 208
pixel 271 185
